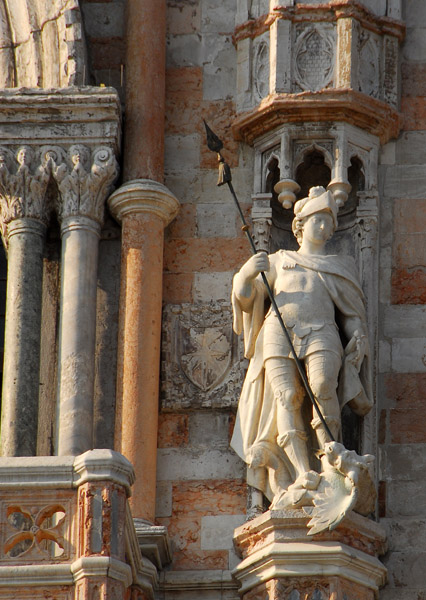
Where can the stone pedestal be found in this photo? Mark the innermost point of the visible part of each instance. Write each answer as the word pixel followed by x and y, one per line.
pixel 280 559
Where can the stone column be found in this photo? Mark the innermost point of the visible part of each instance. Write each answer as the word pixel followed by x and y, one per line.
pixel 23 220
pixel 81 209
pixel 144 208
pixel 145 89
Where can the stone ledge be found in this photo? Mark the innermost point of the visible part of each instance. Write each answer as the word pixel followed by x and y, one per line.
pixel 369 114
pixel 315 559
pixel 65 471
pixel 174 581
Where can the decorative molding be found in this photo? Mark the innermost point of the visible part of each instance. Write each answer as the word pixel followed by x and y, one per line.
pixel 23 186
pixel 283 550
pixel 330 105
pixel 325 12
pixel 103 465
pixel 261 216
pixel 313 57
pixel 144 196
pixel 101 566
pixel 261 70
pixel 182 581
pixel 87 115
pixel 85 182
pixel 154 542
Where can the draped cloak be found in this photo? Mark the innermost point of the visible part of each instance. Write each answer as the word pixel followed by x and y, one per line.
pixel 256 416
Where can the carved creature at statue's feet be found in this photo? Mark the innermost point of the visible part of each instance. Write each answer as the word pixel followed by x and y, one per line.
pixel 297 494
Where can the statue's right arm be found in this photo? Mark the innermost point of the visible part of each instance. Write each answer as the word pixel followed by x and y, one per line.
pixel 243 285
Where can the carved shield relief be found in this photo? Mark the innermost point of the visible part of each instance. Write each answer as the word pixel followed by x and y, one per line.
pixel 202 359
pixel 205 354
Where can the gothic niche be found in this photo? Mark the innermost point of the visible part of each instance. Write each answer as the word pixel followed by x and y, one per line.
pixel 314 169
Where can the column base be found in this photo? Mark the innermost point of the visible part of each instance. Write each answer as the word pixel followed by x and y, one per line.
pixel 280 559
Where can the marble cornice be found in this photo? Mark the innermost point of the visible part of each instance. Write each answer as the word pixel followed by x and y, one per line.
pixel 328 105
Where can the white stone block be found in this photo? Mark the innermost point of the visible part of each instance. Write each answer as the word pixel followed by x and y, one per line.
pixel 209 429
pixel 411 147
pixel 387 154
pixel 217 531
pixel 212 286
pixel 409 355
pixel 406 181
pixel 405 321
pixel 181 152
pixel 219 72
pixel 184 185
pixel 183 464
pixel 218 16
pixel 415 12
pixel 184 51
pixel 216 220
pixel 163 499
pixel 384 356
pixel 385 277
pixel 414 47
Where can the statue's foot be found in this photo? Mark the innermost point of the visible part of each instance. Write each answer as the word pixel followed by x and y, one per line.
pixel 298 493
pixel 261 457
pixel 308 481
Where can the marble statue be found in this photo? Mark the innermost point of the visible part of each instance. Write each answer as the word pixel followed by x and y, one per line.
pixel 322 305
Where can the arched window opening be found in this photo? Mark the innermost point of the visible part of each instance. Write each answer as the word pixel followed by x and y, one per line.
pixel 311 172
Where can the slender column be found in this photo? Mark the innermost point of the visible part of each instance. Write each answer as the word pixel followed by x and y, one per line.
pixel 23 221
pixel 81 208
pixel 79 264
pixel 145 89
pixel 22 338
pixel 144 208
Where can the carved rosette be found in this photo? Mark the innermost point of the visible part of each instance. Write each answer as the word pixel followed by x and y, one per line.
pixel 23 186
pixel 84 179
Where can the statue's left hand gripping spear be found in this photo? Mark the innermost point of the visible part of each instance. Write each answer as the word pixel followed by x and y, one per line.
pixel 215 145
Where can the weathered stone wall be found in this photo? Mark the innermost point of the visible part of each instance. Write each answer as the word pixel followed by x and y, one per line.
pixel 402 350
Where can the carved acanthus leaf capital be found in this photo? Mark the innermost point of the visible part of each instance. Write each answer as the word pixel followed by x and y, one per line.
pixel 84 179
pixel 23 186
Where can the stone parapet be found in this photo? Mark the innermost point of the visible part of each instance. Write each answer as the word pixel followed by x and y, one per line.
pixel 67 528
pixel 279 555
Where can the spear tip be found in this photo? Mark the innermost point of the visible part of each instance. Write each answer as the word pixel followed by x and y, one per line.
pixel 214 143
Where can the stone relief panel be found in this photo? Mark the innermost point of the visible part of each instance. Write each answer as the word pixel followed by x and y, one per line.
pixel 36 529
pixel 261 69
pixel 369 64
pixel 203 364
pixel 314 57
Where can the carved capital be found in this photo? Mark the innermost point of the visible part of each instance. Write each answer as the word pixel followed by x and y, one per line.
pixel 261 216
pixel 144 196
pixel 23 184
pixel 367 218
pixel 84 178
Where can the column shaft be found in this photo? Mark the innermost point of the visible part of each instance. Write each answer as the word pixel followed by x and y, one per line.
pixel 139 353
pixel 145 89
pixel 80 239
pixel 22 337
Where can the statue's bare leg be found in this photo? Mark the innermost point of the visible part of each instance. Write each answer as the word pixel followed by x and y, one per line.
pixel 322 369
pixel 288 394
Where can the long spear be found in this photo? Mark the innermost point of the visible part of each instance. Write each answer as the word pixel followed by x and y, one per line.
pixel 215 145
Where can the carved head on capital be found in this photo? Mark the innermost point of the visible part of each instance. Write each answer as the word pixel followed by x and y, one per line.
pixel 79 155
pixel 25 156
pixel 318 201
